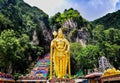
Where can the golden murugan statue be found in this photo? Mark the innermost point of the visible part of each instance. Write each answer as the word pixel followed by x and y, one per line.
pixel 59 55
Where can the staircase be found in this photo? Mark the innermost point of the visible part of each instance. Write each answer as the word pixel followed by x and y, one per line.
pixel 40 70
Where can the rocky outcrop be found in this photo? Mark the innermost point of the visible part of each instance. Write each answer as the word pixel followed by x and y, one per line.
pixel 69 24
pixel 81 37
pixel 73 33
pixel 35 40
pixel 46 32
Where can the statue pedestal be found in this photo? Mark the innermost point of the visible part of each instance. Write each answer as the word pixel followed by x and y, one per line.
pixel 62 80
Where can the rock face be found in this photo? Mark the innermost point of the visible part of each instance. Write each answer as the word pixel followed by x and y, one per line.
pixel 46 32
pixel 70 24
pixel 46 35
pixel 35 40
pixel 81 37
pixel 79 33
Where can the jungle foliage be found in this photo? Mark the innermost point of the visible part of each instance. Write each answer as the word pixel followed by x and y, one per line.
pixel 109 20
pixel 18 21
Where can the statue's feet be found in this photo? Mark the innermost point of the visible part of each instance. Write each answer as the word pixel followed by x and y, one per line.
pixel 59 76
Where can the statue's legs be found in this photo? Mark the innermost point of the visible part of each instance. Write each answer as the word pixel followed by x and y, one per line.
pixel 60 65
pixel 63 67
pixel 56 65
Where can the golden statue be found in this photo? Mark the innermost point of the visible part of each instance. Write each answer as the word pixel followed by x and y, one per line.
pixel 59 55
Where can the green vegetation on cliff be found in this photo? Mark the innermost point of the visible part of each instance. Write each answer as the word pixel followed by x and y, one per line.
pixel 109 20
pixel 58 19
pixel 18 22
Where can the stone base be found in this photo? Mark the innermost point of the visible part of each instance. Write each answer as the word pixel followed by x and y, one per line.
pixel 62 80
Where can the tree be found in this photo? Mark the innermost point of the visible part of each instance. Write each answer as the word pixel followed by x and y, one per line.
pixel 108 42
pixel 9 45
pixel 98 33
pixel 88 57
pixel 5 23
pixel 111 45
pixel 75 50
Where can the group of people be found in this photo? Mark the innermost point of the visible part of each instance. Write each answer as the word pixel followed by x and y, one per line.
pixel 31 77
pixel 6 76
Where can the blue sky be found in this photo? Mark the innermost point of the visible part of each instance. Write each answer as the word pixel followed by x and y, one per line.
pixel 89 9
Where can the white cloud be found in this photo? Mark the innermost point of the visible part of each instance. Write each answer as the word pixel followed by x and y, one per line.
pixel 89 9
pixel 50 6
